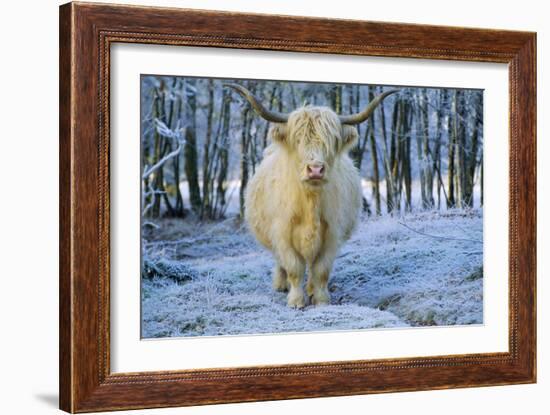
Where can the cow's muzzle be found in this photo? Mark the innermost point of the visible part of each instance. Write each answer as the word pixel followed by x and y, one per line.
pixel 315 171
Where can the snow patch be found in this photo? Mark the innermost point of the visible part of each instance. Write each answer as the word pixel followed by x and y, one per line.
pixel 214 279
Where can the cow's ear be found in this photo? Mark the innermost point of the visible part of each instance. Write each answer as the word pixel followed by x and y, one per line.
pixel 349 137
pixel 278 132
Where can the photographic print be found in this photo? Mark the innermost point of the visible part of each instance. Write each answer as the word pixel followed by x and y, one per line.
pixel 273 206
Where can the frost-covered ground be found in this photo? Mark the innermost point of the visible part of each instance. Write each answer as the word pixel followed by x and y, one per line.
pixel 214 279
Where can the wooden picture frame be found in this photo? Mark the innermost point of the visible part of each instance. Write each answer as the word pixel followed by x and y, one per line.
pixel 86 33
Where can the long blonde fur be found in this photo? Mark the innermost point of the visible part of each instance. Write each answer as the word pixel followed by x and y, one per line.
pixel 302 224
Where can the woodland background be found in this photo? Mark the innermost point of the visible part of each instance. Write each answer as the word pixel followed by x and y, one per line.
pixel 201 143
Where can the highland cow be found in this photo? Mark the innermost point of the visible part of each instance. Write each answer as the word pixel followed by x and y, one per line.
pixel 305 197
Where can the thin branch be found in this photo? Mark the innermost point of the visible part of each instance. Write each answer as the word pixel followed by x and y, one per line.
pixel 438 236
pixel 163 160
pixel 151 224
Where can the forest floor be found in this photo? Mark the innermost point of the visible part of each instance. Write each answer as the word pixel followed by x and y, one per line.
pixel 421 269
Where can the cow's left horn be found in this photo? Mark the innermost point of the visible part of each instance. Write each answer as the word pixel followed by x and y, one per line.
pixel 262 111
pixel 363 115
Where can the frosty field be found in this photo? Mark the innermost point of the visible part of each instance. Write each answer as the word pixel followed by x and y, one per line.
pixel 209 279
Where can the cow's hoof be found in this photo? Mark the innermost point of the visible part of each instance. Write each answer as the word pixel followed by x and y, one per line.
pixel 295 299
pixel 320 297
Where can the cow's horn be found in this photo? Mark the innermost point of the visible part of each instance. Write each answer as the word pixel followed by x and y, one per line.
pixel 263 112
pixel 363 115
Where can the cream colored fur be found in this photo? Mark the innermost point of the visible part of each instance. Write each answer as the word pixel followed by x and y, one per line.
pixel 304 223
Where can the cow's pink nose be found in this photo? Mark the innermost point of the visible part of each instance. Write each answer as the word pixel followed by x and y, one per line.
pixel 315 171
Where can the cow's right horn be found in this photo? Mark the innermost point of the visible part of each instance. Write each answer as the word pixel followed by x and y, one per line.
pixel 366 113
pixel 263 112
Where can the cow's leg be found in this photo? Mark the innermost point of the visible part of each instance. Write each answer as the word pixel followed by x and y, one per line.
pixel 280 282
pixel 317 287
pixel 317 284
pixel 294 266
pixel 295 296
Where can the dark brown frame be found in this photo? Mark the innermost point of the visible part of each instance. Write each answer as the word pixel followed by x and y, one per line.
pixel 86 33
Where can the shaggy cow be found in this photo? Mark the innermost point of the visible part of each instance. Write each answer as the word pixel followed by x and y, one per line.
pixel 304 200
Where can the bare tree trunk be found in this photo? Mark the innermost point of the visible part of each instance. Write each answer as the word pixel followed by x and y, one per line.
pixel 460 150
pixel 356 152
pixel 190 150
pixel 437 147
pixel 374 156
pixel 428 172
pixel 336 98
pixel 146 156
pixel 420 133
pixel 386 159
pixel 405 154
pixel 481 199
pixel 471 155
pixel 273 100
pixel 162 146
pixel 158 145
pixel 205 206
pixel 407 173
pixel 293 96
pixel 394 156
pixel 167 203
pixel 423 147
pixel 245 137
pixel 223 156
pixel 172 121
pixel 452 129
